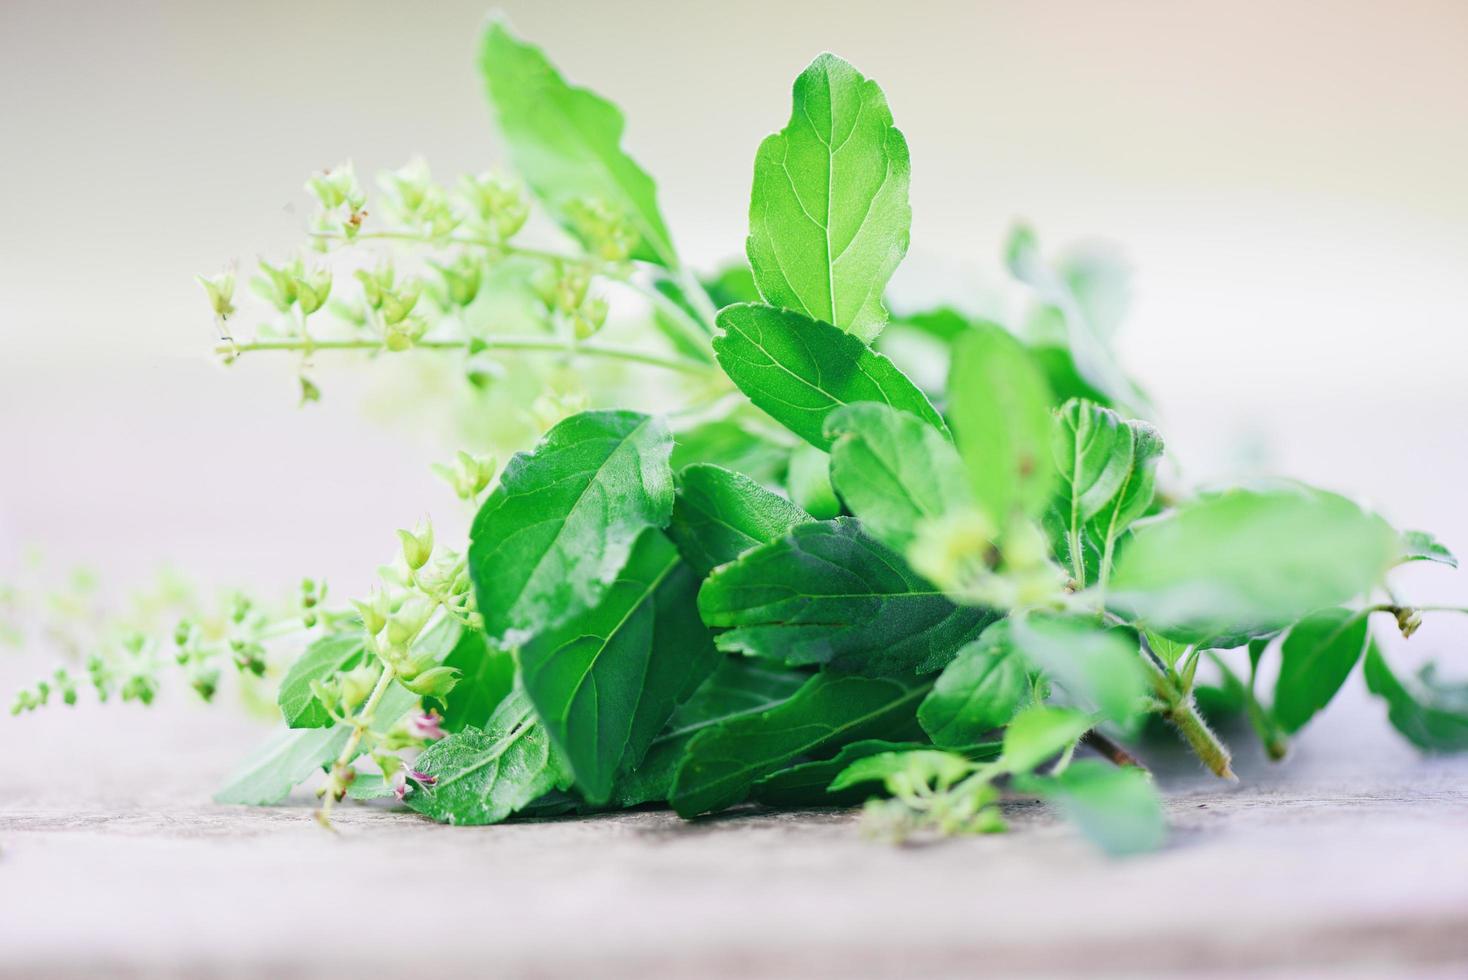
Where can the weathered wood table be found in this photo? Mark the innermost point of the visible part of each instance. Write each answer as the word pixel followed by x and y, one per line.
pixel 1351 857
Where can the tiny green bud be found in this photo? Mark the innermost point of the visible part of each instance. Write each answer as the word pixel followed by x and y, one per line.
pixel 433 683
pixel 396 304
pixel 403 335
pixel 373 612
pixel 220 290
pixel 417 545
pixel 310 392
pixel 313 287
pixel 356 684
pixel 376 283
pixel 278 284
pixel 404 625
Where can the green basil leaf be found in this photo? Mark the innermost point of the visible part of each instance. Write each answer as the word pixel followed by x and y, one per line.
pixel 830 710
pixel 551 538
pixel 1433 716
pixel 486 677
pixel 1000 408
pixel 916 767
pixel 829 218
pixel 978 692
pixel 1038 734
pixel 737 687
pixel 1316 657
pixel 1422 546
pixel 566 143
pixel 827 594
pixel 606 681
pixel 1244 563
pixel 482 777
pixel 1116 807
pixel 719 514
pixel 1100 669
pixel 894 471
pixel 809 481
pixel 327 656
pixel 746 441
pixel 809 783
pixel 800 370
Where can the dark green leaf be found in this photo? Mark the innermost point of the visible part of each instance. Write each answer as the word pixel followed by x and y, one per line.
pixel 327 656
pixel 1421 546
pixel 808 783
pixel 719 514
pixel 1116 807
pixel 1244 563
pixel 606 681
pixel 828 218
pixel 829 711
pixel 485 776
pixel 800 370
pixel 827 594
pixel 978 692
pixel 1000 409
pixel 894 471
pixel 487 675
pixel 551 538
pixel 566 143
pixel 1433 716
pixel 1315 659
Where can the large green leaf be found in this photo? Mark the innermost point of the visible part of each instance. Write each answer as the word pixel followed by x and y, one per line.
pixel 1117 808
pixel 738 686
pixel 482 777
pixel 1000 408
pixel 1039 733
pixel 327 656
pixel 551 538
pixel 1100 669
pixel 1315 659
pixel 566 143
pixel 828 218
pixel 800 370
pixel 1244 563
pixel 978 692
pixel 606 681
pixel 719 514
pixel 809 783
pixel 1433 716
pixel 827 594
pixel 830 710
pixel 894 471
pixel 486 677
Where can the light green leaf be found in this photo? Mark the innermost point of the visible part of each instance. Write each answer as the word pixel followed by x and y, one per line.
pixel 566 143
pixel 894 471
pixel 487 675
pixel 327 656
pixel 830 710
pixel 746 441
pixel 808 783
pixel 737 687
pixel 1100 669
pixel 809 482
pixel 1000 408
pixel 482 777
pixel 606 681
pixel 551 538
pixel 1241 564
pixel 1117 808
pixel 1422 546
pixel 1315 659
pixel 800 370
pixel 905 770
pixel 719 514
pixel 828 218
pixel 827 594
pixel 978 692
pixel 1039 733
pixel 1433 716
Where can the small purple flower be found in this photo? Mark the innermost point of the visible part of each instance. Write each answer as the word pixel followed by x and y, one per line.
pixel 422 778
pixel 427 726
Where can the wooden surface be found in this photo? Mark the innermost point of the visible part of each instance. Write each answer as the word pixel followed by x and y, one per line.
pixel 1352 858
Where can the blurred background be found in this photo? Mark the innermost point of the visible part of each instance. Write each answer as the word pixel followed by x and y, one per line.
pixel 1289 180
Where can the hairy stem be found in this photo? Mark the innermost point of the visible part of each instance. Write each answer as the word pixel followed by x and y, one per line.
pixel 1110 750
pixel 547 344
pixel 359 726
pixel 1179 710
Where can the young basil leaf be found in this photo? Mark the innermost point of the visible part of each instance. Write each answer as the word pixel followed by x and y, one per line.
pixel 719 514
pixel 830 710
pixel 894 471
pixel 1100 669
pixel 566 143
pixel 327 656
pixel 551 538
pixel 1039 733
pixel 1241 564
pixel 1315 659
pixel 800 370
pixel 828 218
pixel 809 482
pixel 482 777
pixel 1433 717
pixel 916 767
pixel 827 594
pixel 486 677
pixel 606 681
pixel 739 442
pixel 978 692
pixel 1422 546
pixel 1000 408
pixel 809 783
pixel 739 686
pixel 1081 305
pixel 1116 807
